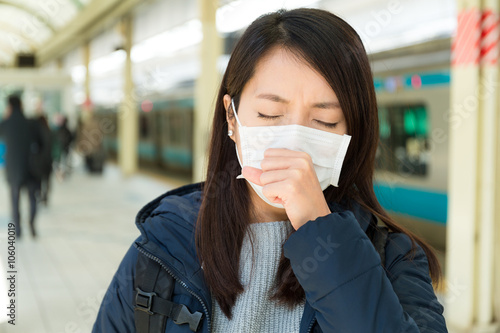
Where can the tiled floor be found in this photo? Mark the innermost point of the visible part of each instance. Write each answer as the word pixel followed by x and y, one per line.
pixel 83 235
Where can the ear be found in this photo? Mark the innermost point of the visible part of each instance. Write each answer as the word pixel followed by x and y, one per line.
pixel 227 106
pixel 229 114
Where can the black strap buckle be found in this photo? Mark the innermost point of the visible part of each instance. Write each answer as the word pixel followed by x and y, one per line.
pixel 144 300
pixel 186 317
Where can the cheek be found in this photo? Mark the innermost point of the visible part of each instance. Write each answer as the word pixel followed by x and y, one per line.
pixel 342 128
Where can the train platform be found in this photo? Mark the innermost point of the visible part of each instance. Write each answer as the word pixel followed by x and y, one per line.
pixel 83 233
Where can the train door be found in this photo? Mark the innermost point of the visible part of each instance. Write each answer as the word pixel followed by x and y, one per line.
pixel 157 138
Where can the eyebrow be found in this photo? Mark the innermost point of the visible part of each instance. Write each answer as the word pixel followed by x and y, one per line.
pixel 327 105
pixel 279 99
pixel 274 98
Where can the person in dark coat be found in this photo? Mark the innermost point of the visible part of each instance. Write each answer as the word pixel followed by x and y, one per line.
pixel 23 141
pixel 278 238
pixel 46 158
pixel 62 139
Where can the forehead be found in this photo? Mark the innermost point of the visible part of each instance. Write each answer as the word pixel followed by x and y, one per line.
pixel 287 72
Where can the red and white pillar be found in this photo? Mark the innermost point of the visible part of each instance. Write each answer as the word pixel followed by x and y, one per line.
pixel 472 265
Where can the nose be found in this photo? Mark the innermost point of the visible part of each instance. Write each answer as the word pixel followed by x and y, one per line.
pixel 298 116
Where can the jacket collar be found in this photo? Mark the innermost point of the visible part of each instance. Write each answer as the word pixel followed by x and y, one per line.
pixel 190 213
pixel 167 225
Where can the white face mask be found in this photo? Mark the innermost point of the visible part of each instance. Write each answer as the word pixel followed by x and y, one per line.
pixel 327 150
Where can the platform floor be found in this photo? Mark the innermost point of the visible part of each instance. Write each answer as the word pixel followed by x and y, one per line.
pixel 82 236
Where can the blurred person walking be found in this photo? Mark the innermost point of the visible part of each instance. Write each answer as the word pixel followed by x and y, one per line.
pixel 90 143
pixel 46 159
pixel 24 145
pixel 63 138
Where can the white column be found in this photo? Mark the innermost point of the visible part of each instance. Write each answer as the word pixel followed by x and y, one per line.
pixel 488 146
pixel 128 116
pixel 462 180
pixel 86 63
pixel 206 86
pixel 473 167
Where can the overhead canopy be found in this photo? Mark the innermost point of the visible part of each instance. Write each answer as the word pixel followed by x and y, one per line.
pixel 27 24
pixel 51 28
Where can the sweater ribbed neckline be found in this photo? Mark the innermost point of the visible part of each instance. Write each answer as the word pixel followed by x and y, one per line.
pixel 253 310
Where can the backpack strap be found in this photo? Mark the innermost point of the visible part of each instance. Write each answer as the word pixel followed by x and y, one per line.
pixel 152 299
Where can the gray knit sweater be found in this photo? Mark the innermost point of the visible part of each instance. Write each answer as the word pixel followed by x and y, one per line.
pixel 253 310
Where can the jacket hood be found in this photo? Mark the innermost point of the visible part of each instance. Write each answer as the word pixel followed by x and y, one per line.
pixel 167 226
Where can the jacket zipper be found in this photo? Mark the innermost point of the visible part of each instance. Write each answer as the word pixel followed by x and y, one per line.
pixel 311 325
pixel 158 260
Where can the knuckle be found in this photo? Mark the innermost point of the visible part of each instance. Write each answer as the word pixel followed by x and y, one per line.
pixel 290 188
pixel 297 174
pixel 304 162
pixel 305 156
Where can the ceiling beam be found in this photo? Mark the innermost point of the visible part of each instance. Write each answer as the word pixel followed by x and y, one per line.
pixel 29 11
pixel 92 20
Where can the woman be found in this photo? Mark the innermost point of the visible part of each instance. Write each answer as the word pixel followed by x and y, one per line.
pixel 283 251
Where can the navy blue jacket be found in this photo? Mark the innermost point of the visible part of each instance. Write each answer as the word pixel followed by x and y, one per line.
pixel 347 289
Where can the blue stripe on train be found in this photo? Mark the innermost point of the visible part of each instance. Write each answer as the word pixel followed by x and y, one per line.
pixel 427 80
pixel 425 204
pixel 430 79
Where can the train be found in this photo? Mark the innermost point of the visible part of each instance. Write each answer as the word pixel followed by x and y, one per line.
pixel 165 132
pixel 413 94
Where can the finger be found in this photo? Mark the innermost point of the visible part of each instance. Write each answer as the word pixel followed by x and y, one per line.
pixel 276 192
pixel 276 163
pixel 252 174
pixel 274 176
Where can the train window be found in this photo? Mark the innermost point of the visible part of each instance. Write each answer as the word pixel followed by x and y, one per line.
pixel 143 127
pixel 404 144
pixel 176 128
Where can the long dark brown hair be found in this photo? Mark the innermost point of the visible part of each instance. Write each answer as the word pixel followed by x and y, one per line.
pixel 331 47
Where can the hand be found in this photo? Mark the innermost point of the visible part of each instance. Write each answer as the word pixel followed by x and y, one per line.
pixel 288 178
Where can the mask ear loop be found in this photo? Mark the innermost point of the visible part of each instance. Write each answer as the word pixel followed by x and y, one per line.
pixel 239 124
pixel 234 111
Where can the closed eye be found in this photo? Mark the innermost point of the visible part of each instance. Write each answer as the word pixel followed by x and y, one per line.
pixel 328 125
pixel 265 116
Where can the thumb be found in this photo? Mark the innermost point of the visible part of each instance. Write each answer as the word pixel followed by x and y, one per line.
pixel 252 174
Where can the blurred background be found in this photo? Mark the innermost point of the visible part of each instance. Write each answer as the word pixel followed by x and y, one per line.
pixel 127 88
